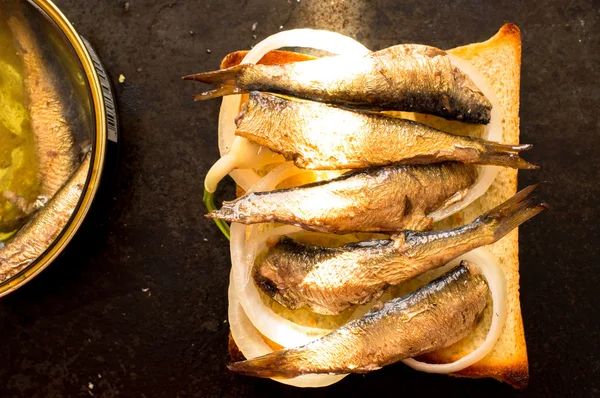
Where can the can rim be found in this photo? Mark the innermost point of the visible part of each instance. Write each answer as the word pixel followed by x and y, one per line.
pixel 98 157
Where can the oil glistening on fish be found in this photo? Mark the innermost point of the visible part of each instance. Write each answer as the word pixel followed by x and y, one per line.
pixel 45 180
pixel 405 197
pixel 18 158
pixel 435 316
pixel 322 137
pixel 335 113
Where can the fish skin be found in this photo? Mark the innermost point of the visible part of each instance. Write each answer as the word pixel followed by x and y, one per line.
pixel 331 279
pixel 390 198
pixel 53 136
pixel 323 137
pixel 44 227
pixel 432 317
pixel 406 77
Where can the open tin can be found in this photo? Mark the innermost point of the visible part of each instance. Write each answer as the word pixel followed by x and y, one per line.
pixel 67 115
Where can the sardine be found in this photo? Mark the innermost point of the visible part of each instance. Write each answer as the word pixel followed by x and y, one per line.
pixel 390 198
pixel 331 279
pixel 53 136
pixel 408 77
pixel 44 227
pixel 318 136
pixel 432 317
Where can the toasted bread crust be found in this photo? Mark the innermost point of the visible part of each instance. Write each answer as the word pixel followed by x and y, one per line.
pixel 499 59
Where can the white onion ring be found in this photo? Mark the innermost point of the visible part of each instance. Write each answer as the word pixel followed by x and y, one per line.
pixel 492 271
pixel 251 344
pixel 492 132
pixel 250 153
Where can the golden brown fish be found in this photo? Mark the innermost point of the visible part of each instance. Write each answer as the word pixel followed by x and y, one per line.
pixel 390 198
pixel 408 77
pixel 318 136
pixel 331 279
pixel 43 228
pixel 53 136
pixel 434 316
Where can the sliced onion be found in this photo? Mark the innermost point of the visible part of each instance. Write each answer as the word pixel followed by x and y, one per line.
pixel 251 344
pixel 248 155
pixel 492 132
pixel 492 271
pixel 280 173
pixel 267 321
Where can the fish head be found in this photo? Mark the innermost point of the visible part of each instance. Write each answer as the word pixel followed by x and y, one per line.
pixel 479 106
pixel 279 278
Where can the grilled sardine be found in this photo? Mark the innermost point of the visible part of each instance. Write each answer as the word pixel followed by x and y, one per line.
pixel 43 228
pixel 408 77
pixel 390 198
pixel 53 136
pixel 434 316
pixel 318 136
pixel 331 279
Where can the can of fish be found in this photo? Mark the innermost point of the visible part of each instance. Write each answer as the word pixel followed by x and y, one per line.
pixel 58 128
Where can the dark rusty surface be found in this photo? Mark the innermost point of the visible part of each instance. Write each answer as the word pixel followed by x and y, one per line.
pixel 137 304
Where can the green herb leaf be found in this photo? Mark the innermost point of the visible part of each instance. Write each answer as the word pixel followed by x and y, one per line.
pixel 210 206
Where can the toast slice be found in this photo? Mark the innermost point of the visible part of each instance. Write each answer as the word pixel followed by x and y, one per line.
pixel 498 59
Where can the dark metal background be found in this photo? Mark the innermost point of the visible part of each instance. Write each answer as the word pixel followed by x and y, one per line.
pixel 88 319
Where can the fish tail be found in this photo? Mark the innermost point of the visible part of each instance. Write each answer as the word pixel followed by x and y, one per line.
pixel 225 79
pixel 282 364
pixel 505 155
pixel 512 213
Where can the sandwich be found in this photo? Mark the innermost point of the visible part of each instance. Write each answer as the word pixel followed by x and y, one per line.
pixel 377 212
